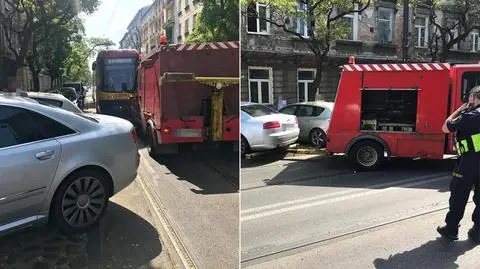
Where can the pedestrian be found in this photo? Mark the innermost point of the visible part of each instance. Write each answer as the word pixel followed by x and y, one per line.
pixel 465 122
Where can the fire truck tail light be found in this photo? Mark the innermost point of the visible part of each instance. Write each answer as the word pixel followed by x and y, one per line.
pixel 167 130
pixel 271 125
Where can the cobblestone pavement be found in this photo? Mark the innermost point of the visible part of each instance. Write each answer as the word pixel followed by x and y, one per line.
pixel 43 248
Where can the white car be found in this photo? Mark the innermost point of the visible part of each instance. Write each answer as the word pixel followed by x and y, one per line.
pixel 263 128
pixel 54 99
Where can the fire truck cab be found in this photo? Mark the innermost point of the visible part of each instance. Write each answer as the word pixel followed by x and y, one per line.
pixel 397 110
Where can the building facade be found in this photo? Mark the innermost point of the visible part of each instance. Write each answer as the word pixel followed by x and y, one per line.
pixel 188 11
pixel 278 66
pixel 133 37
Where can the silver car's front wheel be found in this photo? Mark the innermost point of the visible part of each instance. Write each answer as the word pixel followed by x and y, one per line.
pixel 81 201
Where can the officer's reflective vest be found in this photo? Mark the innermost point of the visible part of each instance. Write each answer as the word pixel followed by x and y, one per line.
pixel 468 144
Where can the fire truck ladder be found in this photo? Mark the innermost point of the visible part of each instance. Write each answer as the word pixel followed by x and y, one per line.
pixel 218 84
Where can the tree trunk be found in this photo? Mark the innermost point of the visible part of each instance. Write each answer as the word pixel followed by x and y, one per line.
pixel 319 58
pixel 443 55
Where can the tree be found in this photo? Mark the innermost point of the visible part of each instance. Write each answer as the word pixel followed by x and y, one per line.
pixel 217 22
pixel 451 23
pixel 27 23
pixel 322 21
pixel 77 68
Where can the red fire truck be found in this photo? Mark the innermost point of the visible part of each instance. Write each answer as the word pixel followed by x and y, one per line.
pixel 188 93
pixel 397 110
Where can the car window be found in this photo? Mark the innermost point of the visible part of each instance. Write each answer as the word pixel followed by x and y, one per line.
pixel 258 110
pixel 317 111
pixel 290 110
pixel 20 126
pixel 17 127
pixel 304 111
pixel 50 128
pixel 54 103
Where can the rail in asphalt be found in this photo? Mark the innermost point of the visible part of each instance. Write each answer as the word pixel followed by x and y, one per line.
pixel 158 209
pixel 299 248
pixel 287 206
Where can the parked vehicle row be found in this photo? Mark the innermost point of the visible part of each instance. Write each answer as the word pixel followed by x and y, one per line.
pixel 263 128
pixel 57 166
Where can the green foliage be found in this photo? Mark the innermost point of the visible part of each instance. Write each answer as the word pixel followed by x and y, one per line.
pixel 77 68
pixel 218 21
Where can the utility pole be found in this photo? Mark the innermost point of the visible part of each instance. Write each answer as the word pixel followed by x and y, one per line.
pixel 405 29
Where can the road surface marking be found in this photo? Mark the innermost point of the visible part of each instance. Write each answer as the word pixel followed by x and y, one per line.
pixel 260 212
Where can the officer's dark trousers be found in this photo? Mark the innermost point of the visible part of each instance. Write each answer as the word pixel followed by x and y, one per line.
pixel 465 177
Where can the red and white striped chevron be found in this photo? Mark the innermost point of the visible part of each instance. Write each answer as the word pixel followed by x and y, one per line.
pixel 212 45
pixel 397 67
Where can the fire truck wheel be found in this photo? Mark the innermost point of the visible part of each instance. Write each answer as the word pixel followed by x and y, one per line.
pixel 367 155
pixel 151 139
pixel 244 146
pixel 318 138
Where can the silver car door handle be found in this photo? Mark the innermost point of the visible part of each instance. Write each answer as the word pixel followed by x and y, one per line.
pixel 45 155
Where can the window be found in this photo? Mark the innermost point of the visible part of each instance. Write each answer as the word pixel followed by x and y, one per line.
pixel 179 29
pixel 290 110
pixel 317 111
pixel 256 15
pixel 304 111
pixel 302 23
pixel 454 32
pixel 350 21
pixel 385 25
pixel 20 126
pixel 469 80
pixel 475 42
pixel 305 89
pixel 186 28
pixel 421 30
pixel 51 102
pixel 259 82
pixel 258 110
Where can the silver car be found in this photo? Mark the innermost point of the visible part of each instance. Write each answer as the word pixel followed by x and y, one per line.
pixel 263 128
pixel 60 166
pixel 313 119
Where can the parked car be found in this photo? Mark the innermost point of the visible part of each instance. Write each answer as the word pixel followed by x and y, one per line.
pixel 313 120
pixel 58 166
pixel 54 99
pixel 69 93
pixel 81 91
pixel 263 128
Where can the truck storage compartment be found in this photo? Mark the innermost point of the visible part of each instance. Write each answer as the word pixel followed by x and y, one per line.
pixel 389 110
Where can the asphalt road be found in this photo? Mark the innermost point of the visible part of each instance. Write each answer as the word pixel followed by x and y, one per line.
pixel 309 212
pixel 199 194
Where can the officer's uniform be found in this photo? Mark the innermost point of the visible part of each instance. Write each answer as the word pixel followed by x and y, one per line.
pixel 467 170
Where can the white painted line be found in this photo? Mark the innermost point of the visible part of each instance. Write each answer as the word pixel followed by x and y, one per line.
pixel 358 67
pixel 339 199
pixel 348 68
pixel 396 67
pixel 368 67
pixel 386 67
pixel 406 67
pixel 427 66
pixel 327 195
pixel 377 67
pixel 437 66
pixel 417 67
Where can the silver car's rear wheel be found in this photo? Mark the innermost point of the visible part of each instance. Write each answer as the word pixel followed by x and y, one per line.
pixel 318 138
pixel 83 202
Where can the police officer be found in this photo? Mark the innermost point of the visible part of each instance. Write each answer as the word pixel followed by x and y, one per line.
pixel 465 121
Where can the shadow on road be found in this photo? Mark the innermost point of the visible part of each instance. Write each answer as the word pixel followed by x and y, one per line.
pixel 337 171
pixel 127 240
pixel 432 255
pixel 213 171
pixel 43 247
pixel 263 158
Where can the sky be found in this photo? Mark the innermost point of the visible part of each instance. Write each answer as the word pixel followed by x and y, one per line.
pixel 112 18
